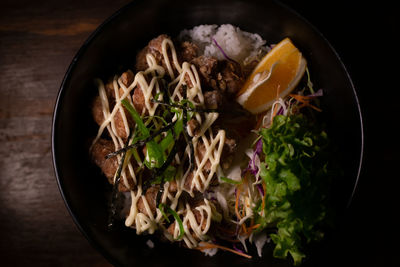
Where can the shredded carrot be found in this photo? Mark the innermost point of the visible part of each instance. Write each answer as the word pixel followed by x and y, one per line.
pixel 250 229
pixel 275 111
pixel 299 98
pixel 237 203
pixel 278 91
pixel 274 114
pixel 255 226
pixel 263 199
pixel 206 245
pixel 314 107
pixel 305 100
pixel 245 192
pixel 245 179
pixel 306 104
pixel 244 228
pixel 244 210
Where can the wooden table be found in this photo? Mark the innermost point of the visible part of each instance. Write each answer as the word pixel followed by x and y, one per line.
pixel 38 40
pixel 37 44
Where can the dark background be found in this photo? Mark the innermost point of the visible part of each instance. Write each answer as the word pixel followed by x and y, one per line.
pixel 38 40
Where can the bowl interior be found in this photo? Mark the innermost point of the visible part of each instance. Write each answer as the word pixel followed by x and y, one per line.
pixel 112 49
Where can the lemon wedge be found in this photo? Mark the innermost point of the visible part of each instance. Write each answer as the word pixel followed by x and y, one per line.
pixel 277 74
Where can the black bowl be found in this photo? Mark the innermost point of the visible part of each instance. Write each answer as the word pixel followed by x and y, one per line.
pixel 112 48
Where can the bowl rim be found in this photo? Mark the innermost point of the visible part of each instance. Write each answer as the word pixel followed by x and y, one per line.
pixel 92 241
pixel 56 109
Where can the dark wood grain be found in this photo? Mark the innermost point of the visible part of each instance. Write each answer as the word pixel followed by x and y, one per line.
pixel 37 43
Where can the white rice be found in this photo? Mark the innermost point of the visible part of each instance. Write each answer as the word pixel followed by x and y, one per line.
pixel 239 45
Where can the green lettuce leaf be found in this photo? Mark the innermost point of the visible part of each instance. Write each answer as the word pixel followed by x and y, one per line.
pixel 296 178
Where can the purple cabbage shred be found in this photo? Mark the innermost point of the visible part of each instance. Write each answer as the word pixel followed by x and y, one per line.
pixel 280 112
pixel 222 51
pixel 260 189
pixel 318 93
pixel 252 167
pixel 237 249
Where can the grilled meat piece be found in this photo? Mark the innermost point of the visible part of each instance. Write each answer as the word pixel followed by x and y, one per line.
pixel 207 67
pixel 213 99
pixel 150 196
pixel 99 151
pixel 138 100
pixel 109 167
pixel 187 51
pixel 230 79
pixel 197 215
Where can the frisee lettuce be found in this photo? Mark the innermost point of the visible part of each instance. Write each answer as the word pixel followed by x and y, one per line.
pixel 296 178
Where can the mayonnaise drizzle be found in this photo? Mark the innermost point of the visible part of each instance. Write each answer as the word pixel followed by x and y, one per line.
pixel 213 143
